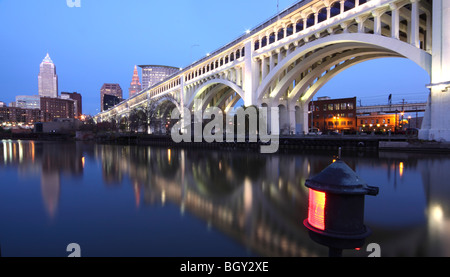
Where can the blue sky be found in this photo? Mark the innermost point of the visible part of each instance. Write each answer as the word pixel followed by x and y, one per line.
pixel 101 41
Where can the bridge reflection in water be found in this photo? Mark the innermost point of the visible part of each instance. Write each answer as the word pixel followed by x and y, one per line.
pixel 259 201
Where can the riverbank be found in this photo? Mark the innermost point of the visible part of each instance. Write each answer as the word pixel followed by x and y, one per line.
pixel 287 143
pixel 292 143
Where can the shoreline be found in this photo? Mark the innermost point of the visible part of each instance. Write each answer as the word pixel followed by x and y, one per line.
pixel 291 143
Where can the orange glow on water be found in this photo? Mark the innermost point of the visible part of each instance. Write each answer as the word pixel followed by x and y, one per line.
pixel 401 168
pixel 316 211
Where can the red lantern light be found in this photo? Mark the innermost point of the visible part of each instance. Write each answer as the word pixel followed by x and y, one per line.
pixel 336 208
pixel 316 212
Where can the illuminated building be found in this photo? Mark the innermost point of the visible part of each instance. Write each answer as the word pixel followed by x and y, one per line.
pixel 19 115
pixel 57 108
pixel 110 89
pixel 28 101
pixel 135 86
pixel 47 79
pixel 378 122
pixel 153 74
pixel 78 102
pixel 110 101
pixel 328 114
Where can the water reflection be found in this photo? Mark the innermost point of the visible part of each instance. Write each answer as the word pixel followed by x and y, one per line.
pixel 258 200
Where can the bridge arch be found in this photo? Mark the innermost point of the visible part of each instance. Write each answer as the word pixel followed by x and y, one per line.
pixel 340 42
pixel 215 86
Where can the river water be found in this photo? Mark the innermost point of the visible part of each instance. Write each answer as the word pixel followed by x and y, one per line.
pixel 144 201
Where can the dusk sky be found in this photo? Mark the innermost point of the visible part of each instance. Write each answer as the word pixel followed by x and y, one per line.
pixel 101 42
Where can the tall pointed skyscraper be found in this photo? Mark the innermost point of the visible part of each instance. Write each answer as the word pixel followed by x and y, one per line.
pixel 47 79
pixel 135 86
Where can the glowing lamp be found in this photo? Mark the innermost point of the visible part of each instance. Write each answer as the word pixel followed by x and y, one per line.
pixel 336 207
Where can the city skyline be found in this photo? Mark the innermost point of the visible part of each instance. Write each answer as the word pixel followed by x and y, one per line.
pixel 80 45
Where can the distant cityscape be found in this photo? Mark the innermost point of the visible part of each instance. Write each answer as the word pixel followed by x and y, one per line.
pixel 47 110
pixel 50 108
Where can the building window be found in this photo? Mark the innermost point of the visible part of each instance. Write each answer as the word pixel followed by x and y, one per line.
pixel 343 106
pixel 350 106
pixel 330 107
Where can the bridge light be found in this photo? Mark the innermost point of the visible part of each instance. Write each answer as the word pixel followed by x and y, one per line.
pixel 336 208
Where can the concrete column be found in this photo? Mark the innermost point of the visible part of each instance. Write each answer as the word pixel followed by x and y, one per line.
pixel 436 124
pixel 263 67
pixel 251 74
pixel 377 23
pixel 395 23
pixel 415 23
pixel 302 118
pixel 428 33
pixel 360 20
pixel 291 118
pixel 239 76
pixel 271 61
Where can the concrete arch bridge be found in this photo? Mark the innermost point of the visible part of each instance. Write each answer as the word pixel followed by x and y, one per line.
pixel 283 62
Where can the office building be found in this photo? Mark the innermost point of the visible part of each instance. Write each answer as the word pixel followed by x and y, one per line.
pixel 337 115
pixel 16 115
pixel 110 101
pixel 28 101
pixel 110 89
pixel 78 102
pixel 153 74
pixel 135 86
pixel 57 108
pixel 47 79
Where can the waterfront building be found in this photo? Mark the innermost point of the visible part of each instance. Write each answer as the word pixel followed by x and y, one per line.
pixel 337 115
pixel 28 101
pixel 2 104
pixel 110 101
pixel 153 74
pixel 110 89
pixel 78 99
pixel 15 115
pixel 47 79
pixel 57 108
pixel 378 122
pixel 135 86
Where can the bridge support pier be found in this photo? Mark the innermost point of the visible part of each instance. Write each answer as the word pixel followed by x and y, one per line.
pixel 436 124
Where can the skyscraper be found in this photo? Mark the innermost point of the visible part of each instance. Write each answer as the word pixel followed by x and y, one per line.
pixel 135 86
pixel 110 89
pixel 153 74
pixel 47 79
